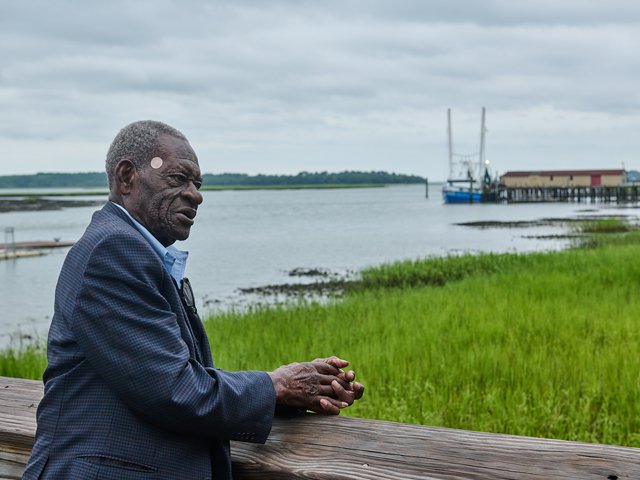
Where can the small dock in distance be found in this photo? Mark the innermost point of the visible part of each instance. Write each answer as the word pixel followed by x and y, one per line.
pixel 11 254
pixel 36 245
pixel 13 250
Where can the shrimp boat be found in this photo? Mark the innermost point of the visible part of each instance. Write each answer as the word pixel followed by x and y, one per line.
pixel 452 193
pixel 469 176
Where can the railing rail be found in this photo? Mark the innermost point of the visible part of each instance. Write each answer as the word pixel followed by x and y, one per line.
pixel 320 447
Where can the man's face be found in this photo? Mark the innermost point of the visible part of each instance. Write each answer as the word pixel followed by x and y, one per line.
pixel 165 197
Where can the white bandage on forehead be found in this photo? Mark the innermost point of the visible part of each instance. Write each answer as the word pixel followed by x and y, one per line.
pixel 156 162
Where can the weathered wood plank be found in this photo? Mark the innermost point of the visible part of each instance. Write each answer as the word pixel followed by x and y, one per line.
pixel 12 461
pixel 319 447
pixel 370 449
pixel 19 399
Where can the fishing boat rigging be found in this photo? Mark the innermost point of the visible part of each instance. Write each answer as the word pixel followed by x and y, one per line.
pixel 469 174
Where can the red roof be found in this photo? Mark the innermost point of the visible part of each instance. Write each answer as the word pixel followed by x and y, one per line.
pixel 548 173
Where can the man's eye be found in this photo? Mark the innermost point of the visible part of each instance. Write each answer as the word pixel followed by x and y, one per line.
pixel 179 178
pixel 197 185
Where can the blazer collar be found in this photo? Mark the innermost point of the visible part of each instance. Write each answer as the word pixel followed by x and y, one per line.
pixel 111 208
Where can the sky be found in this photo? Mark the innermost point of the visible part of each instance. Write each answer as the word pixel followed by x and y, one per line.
pixel 284 86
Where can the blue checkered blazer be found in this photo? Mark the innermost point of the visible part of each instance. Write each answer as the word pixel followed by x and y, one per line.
pixel 131 391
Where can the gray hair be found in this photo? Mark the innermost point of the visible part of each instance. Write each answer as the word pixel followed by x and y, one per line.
pixel 138 142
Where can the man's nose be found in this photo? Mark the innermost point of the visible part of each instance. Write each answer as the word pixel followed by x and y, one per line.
pixel 193 193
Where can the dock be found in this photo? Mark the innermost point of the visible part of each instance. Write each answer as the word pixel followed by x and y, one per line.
pixel 316 446
pixel 592 186
pixel 622 194
pixel 13 250
pixel 35 245
pixel 9 254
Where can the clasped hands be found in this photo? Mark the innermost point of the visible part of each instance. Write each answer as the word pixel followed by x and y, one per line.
pixel 320 385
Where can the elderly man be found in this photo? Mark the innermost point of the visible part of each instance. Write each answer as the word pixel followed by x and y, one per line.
pixel 131 391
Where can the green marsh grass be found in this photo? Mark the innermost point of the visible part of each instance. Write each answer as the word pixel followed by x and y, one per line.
pixel 605 225
pixel 542 344
pixel 28 361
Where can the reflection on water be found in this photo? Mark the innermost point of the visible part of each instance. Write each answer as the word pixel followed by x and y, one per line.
pixel 254 238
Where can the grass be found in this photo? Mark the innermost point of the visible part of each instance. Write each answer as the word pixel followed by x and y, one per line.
pixel 538 349
pixel 540 344
pixel 525 344
pixel 606 225
pixel 28 361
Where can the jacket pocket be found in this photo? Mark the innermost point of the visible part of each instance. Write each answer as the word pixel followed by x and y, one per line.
pixel 108 467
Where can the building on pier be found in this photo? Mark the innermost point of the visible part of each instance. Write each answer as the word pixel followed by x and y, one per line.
pixel 569 185
pixel 564 179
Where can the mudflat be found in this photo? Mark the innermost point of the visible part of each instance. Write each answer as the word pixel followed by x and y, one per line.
pixel 37 204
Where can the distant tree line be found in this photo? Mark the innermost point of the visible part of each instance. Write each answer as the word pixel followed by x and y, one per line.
pixel 59 180
pixel 311 178
pixel 99 179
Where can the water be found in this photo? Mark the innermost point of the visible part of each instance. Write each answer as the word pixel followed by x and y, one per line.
pixel 254 238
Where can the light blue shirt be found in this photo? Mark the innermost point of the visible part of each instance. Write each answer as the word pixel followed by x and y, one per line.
pixel 174 260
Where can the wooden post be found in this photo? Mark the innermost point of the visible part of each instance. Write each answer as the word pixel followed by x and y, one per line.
pixel 322 447
pixel 426 187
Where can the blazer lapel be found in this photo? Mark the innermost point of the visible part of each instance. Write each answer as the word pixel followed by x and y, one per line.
pixel 196 331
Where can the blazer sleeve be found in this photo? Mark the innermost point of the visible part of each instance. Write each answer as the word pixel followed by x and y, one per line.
pixel 130 336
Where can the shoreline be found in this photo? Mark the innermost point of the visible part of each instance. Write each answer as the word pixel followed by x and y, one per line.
pixel 41 201
pixel 38 204
pixel 35 193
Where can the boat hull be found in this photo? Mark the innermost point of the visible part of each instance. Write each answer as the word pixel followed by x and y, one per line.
pixel 461 196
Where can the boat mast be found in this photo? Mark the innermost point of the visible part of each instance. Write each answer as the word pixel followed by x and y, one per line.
pixel 450 136
pixel 481 153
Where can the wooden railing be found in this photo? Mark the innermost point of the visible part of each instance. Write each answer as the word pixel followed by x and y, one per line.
pixel 320 447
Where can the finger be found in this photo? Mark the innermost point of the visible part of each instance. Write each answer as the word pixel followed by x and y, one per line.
pixel 347 376
pixel 330 406
pixel 329 379
pixel 327 408
pixel 326 391
pixel 344 395
pixel 333 360
pixel 358 390
pixel 325 368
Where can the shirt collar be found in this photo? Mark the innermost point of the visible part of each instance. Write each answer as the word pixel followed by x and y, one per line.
pixel 174 260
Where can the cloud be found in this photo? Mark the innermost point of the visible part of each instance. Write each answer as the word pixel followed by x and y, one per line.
pixel 283 86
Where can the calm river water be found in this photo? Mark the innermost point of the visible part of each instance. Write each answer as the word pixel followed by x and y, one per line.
pixel 254 238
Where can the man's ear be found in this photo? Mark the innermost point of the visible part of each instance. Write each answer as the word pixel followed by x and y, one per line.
pixel 126 176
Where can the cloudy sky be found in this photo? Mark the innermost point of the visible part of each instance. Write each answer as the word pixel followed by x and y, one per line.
pixel 281 86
